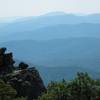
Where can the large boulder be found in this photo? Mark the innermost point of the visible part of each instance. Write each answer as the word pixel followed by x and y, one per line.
pixel 28 83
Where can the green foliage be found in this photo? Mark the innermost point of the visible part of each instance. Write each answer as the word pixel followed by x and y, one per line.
pixel 20 98
pixel 47 96
pixel 6 91
pixel 81 88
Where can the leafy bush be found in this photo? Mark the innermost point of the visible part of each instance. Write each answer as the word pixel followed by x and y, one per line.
pixel 6 91
pixel 81 88
pixel 20 98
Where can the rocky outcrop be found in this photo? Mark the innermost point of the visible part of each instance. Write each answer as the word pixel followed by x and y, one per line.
pixel 26 81
pixel 6 61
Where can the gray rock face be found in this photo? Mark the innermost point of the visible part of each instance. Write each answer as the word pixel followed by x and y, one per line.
pixel 28 83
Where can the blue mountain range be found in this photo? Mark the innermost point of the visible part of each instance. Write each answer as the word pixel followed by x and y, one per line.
pixel 59 44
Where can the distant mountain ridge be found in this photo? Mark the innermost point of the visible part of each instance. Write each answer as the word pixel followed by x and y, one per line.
pixel 59 52
pixel 55 32
pixel 31 25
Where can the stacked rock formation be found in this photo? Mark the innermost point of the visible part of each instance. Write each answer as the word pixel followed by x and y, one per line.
pixel 26 81
pixel 6 61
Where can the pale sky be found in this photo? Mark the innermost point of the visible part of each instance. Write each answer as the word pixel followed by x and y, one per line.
pixel 12 8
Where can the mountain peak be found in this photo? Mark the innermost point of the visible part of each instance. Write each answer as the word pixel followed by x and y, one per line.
pixel 55 13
